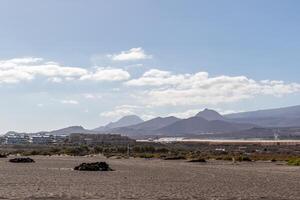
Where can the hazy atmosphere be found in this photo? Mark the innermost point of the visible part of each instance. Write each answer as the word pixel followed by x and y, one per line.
pixel 149 99
pixel 91 62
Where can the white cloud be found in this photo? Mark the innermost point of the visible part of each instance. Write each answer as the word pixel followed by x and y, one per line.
pixel 89 96
pixel 55 79
pixel 40 105
pixel 86 111
pixel 116 89
pixel 167 88
pixel 107 74
pixel 26 69
pixel 70 101
pixel 155 77
pixel 130 55
pixel 148 116
pixel 92 96
pixel 226 112
pixel 120 111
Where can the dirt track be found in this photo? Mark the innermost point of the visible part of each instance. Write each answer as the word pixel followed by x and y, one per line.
pixel 53 178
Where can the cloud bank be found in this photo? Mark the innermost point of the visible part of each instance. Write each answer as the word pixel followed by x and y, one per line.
pixel 163 88
pixel 154 88
pixel 133 54
pixel 29 68
pixel 120 111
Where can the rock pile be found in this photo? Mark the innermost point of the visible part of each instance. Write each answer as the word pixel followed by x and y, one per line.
pixel 21 160
pixel 96 166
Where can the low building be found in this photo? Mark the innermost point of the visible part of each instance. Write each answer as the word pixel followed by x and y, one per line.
pixel 17 139
pixel 60 139
pixel 97 139
pixel 2 140
pixel 42 139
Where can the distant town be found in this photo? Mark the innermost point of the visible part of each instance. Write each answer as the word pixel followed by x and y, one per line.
pixel 74 138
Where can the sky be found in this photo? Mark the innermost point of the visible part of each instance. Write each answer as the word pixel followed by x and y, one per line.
pixel 65 62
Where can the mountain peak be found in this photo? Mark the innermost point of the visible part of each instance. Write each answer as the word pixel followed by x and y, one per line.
pixel 130 117
pixel 210 115
pixel 125 121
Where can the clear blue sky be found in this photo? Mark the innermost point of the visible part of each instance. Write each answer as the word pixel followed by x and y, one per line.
pixel 256 39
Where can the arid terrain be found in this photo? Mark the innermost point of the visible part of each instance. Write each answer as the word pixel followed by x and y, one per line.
pixel 54 178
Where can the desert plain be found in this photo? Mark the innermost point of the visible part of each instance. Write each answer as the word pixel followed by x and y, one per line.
pixel 53 177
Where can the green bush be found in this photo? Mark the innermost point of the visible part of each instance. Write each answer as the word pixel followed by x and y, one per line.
pixel 98 149
pixel 226 158
pixel 294 162
pixel 175 158
pixel 146 155
pixel 77 151
pixel 243 158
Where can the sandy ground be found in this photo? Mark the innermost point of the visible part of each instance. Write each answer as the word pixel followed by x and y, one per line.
pixel 53 178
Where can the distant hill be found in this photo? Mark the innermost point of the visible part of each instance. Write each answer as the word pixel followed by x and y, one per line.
pixel 207 123
pixel 210 122
pixel 279 117
pixel 210 115
pixel 124 121
pixel 63 131
pixel 70 130
pixel 198 125
pixel 145 128
pixel 292 112
pixel 156 123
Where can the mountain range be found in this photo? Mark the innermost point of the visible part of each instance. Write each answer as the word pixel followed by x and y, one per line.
pixel 207 123
pixel 124 121
pixel 279 117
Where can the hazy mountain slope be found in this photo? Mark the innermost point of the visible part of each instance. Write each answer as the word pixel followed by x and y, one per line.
pixel 291 112
pixel 124 121
pixel 199 125
pixel 145 128
pixel 63 131
pixel 70 130
pixel 210 115
pixel 156 123
pixel 280 117
pixel 210 122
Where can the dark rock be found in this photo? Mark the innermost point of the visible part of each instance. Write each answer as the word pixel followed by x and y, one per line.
pixel 3 155
pixel 273 160
pixel 175 158
pixel 199 160
pixel 21 160
pixel 96 166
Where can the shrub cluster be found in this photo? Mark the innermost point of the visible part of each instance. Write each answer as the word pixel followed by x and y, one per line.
pixel 172 151
pixel 294 162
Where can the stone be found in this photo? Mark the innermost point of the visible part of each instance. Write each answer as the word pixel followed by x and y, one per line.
pixel 22 160
pixel 96 166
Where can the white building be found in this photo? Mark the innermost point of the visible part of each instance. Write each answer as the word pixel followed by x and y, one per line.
pixel 42 139
pixel 17 139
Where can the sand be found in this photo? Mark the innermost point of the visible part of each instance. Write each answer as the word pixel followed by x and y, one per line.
pixel 53 178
